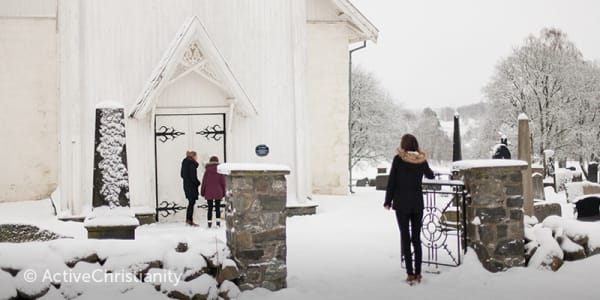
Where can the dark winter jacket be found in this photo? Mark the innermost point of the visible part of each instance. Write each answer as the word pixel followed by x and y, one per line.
pixel 502 152
pixel 189 174
pixel 404 192
pixel 213 183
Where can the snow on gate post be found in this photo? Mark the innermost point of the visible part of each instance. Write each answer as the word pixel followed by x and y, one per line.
pixel 111 216
pixel 256 223
pixel 494 213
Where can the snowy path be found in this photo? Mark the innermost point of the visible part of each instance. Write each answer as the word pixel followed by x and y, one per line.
pixel 350 250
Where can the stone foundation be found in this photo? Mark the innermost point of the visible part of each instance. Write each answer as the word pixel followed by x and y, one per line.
pixel 495 228
pixel 112 232
pixel 302 210
pixel 256 225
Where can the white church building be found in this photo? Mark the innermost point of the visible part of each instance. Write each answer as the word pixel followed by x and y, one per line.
pixel 218 77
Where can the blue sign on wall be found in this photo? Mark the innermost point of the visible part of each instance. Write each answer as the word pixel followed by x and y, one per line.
pixel 262 150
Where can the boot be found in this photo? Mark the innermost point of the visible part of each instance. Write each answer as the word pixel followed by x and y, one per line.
pixel 411 279
pixel 418 278
pixel 191 223
pixel 209 224
pixel 218 224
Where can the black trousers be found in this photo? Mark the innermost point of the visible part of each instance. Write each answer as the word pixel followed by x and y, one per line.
pixel 190 210
pixel 410 233
pixel 217 207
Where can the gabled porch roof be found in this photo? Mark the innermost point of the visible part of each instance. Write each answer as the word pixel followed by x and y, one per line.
pixel 192 50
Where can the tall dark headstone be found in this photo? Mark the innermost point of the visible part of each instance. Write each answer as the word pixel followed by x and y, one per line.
pixel 111 180
pixel 111 216
pixel 593 172
pixel 456 147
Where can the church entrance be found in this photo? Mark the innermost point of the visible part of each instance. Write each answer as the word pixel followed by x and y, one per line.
pixel 174 135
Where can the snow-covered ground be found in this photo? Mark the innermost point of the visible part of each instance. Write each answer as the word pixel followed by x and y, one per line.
pixel 350 250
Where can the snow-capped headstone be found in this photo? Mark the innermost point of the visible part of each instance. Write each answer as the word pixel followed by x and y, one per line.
pixel 538 186
pixel 111 216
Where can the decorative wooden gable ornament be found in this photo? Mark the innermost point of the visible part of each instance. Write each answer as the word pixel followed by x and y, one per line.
pixel 193 50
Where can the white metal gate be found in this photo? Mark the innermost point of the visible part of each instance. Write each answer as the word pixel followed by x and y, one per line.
pixel 174 135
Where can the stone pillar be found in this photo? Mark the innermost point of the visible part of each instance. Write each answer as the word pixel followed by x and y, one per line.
pixel 593 172
pixel 456 146
pixel 111 217
pixel 525 155
pixel 495 228
pixel 256 223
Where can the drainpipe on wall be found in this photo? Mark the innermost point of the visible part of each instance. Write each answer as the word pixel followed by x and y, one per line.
pixel 364 45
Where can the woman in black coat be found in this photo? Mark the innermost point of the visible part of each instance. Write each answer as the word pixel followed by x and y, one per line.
pixel 189 174
pixel 405 195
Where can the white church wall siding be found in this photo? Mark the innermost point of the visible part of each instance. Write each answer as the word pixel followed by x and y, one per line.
pixel 328 106
pixel 28 95
pixel 121 43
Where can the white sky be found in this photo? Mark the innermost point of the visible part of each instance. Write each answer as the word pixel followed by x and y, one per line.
pixel 442 52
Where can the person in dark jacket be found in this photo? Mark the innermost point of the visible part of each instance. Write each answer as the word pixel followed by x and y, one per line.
pixel 405 195
pixel 213 190
pixel 502 151
pixel 189 174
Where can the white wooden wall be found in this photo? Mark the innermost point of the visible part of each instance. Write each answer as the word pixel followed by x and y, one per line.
pixel 122 41
pixel 29 100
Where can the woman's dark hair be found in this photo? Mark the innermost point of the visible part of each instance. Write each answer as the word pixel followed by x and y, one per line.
pixel 213 159
pixel 409 143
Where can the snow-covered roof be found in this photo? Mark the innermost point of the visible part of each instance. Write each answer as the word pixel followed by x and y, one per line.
pixel 487 163
pixel 360 24
pixel 228 168
pixel 193 49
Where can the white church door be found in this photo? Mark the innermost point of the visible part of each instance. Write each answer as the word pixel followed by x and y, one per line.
pixel 174 135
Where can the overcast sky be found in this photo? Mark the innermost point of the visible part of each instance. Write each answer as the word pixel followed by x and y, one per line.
pixel 442 52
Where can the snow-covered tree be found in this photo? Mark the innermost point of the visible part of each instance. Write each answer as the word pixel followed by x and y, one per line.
pixel 432 137
pixel 377 122
pixel 548 79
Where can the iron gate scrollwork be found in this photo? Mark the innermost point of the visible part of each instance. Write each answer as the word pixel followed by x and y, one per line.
pixel 443 236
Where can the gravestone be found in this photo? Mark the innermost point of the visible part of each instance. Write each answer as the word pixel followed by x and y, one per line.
pixel 544 209
pixel 593 172
pixel 256 223
pixel 538 186
pixel 362 182
pixel 381 180
pixel 111 217
pixel 588 208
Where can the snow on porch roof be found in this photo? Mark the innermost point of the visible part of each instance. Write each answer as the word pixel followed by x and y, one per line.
pixel 366 29
pixel 193 34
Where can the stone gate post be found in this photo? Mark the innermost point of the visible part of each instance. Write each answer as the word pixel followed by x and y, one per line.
pixel 256 223
pixel 494 213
